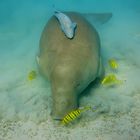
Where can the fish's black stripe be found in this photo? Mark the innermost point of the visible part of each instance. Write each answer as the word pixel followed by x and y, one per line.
pixel 76 113
pixel 70 116
pixel 66 120
pixel 79 111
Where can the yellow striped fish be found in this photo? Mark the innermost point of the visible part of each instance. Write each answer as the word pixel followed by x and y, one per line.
pixel 113 63
pixel 73 115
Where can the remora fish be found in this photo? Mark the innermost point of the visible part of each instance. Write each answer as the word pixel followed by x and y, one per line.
pixel 67 26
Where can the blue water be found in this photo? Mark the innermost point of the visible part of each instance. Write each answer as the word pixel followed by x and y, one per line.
pixel 25 106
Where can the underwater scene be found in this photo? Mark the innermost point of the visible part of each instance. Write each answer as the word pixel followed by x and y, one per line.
pixel 70 70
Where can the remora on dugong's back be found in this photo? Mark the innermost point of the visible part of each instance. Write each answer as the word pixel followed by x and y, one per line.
pixel 69 65
pixel 67 26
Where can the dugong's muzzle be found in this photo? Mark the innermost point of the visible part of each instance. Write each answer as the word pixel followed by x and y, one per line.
pixel 63 104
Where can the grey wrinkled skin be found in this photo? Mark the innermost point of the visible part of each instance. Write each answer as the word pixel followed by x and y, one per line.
pixel 69 65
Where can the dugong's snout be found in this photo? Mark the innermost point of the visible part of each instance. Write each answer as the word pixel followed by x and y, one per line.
pixel 63 104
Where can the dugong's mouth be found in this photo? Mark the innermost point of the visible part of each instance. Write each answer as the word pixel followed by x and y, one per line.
pixel 55 117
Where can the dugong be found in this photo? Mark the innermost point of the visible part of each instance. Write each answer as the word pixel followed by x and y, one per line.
pixel 69 64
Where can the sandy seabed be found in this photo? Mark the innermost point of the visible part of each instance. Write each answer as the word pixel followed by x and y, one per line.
pixel 25 105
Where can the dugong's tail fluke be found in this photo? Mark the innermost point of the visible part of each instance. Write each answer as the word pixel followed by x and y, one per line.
pixel 97 18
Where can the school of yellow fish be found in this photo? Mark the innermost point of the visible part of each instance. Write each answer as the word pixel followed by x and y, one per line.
pixel 111 79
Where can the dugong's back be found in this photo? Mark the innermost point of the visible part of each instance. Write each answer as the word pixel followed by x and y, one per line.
pixel 57 50
pixel 69 64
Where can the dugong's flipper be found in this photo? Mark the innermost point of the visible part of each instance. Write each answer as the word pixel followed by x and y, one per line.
pixel 97 18
pixel 37 59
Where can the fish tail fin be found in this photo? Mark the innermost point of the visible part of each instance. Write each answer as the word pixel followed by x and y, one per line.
pixel 37 60
pixel 119 82
pixel 55 10
pixel 86 108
